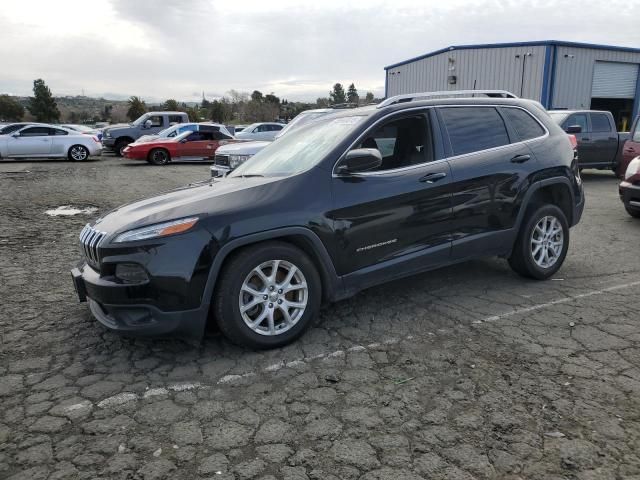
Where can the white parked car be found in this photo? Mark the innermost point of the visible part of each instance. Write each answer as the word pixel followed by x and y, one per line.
pixel 260 131
pixel 231 156
pixel 86 130
pixel 48 141
pixel 178 128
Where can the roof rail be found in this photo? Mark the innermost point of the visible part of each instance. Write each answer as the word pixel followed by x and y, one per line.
pixel 409 97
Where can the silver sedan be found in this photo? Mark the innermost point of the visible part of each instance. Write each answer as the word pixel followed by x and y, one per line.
pixel 48 141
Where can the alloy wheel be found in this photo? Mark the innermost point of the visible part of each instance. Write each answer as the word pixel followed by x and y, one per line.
pixel 273 297
pixel 79 153
pixel 547 241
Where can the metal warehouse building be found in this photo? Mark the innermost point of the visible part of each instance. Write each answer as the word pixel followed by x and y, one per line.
pixel 558 74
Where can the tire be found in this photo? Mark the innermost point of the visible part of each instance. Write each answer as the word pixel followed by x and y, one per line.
pixel 78 153
pixel 635 213
pixel 239 275
pixel 159 156
pixel 522 259
pixel 120 146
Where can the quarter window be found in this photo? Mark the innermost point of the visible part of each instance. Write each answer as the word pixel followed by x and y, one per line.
pixel 579 119
pixel 472 129
pixel 524 124
pixel 58 132
pixel 175 119
pixel 402 142
pixel 600 123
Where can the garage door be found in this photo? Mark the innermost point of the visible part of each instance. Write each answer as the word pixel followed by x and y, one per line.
pixel 614 80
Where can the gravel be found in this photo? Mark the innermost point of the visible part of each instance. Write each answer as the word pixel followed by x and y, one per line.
pixel 468 372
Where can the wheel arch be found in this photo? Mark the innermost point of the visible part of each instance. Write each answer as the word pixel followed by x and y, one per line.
pixel 302 238
pixel 556 191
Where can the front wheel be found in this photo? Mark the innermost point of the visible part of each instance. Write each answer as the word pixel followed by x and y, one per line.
pixel 542 243
pixel 159 156
pixel 267 295
pixel 78 153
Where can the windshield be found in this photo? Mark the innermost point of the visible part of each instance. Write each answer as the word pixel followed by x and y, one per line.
pixel 140 120
pixel 558 117
pixel 300 150
pixel 300 120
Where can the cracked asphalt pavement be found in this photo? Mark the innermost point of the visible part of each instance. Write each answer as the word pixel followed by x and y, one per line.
pixel 468 372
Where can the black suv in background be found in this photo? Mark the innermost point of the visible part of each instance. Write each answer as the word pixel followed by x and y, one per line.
pixel 358 198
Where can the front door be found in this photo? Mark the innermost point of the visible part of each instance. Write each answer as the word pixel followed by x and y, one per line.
pixel 586 153
pixel 30 142
pixel 488 174
pixel 394 219
pixel 198 146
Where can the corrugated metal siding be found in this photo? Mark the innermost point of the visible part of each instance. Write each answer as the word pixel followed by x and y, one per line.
pixel 490 68
pixel 574 74
pixel 614 80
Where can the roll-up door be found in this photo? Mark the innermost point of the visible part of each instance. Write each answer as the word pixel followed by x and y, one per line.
pixel 614 80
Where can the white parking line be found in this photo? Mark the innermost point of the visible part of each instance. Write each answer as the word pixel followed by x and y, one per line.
pixel 570 298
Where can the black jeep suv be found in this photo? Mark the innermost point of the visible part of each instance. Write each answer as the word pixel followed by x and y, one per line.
pixel 357 198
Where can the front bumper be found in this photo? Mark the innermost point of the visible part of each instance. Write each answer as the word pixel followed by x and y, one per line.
pixel 218 171
pixel 131 154
pixel 108 302
pixel 108 142
pixel 630 195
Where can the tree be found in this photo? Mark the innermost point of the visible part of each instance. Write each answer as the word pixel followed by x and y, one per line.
pixel 42 105
pixel 256 96
pixel 217 112
pixel 137 107
pixel 352 94
pixel 337 94
pixel 10 109
pixel 323 102
pixel 368 98
pixel 171 105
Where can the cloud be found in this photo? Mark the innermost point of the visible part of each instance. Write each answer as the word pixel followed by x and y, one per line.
pixel 298 50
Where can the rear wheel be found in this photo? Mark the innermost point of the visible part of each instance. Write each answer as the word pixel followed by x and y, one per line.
pixel 267 295
pixel 542 243
pixel 78 153
pixel 159 156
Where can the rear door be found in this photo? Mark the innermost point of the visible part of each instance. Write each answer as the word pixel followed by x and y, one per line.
pixel 30 142
pixel 604 138
pixel 397 218
pixel 490 165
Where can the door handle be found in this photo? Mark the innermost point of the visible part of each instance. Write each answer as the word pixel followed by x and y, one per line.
pixel 433 177
pixel 520 158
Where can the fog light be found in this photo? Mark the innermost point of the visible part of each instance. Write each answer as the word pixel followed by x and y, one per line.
pixel 131 273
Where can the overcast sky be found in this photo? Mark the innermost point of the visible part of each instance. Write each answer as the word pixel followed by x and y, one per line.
pixel 296 49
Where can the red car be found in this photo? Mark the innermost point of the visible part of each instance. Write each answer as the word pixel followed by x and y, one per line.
pixel 186 147
pixel 631 148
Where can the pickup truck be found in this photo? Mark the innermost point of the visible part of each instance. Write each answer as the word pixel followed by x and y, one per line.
pixel 599 144
pixel 117 137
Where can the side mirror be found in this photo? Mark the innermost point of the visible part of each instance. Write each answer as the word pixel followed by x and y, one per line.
pixel 360 160
pixel 574 129
pixel 147 124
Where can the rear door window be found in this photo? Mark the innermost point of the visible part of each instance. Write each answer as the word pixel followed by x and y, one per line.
pixel 600 122
pixel 175 119
pixel 524 124
pixel 156 120
pixel 472 129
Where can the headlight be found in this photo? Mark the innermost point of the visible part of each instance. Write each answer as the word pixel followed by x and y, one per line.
pixel 157 230
pixel 236 160
pixel 633 168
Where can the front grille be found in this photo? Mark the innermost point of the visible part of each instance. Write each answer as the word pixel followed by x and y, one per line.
pixel 221 160
pixel 90 240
